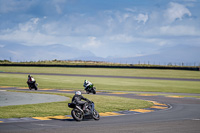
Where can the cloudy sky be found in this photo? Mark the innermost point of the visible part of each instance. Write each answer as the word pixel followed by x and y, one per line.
pixel 107 28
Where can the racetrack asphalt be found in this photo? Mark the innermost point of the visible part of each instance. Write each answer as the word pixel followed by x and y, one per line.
pixel 182 117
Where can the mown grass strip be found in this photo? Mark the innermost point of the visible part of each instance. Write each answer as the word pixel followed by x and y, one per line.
pixel 105 84
pixel 107 71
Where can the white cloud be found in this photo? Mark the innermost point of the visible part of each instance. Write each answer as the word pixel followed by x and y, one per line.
pixel 142 18
pixel 30 33
pixel 30 25
pixel 115 28
pixel 87 29
pixel 130 9
pixel 122 38
pixel 37 32
pixel 128 16
pixel 148 41
pixel 172 31
pixel 51 28
pixel 121 17
pixel 176 11
pixel 180 30
pixel 92 42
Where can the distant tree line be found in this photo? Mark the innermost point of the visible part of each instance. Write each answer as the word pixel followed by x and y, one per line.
pixel 5 61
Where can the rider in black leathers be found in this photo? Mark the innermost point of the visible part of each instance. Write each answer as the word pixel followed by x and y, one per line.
pixel 30 81
pixel 77 99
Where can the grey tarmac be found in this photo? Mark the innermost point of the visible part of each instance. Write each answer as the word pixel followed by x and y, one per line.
pixel 183 117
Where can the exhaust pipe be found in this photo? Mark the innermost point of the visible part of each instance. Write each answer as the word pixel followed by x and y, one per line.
pixel 79 109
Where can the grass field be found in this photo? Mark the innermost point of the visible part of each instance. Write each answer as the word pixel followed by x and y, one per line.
pixel 104 84
pixel 107 71
pixel 61 108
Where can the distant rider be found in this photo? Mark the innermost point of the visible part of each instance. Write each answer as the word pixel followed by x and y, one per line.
pixel 87 84
pixel 77 99
pixel 30 81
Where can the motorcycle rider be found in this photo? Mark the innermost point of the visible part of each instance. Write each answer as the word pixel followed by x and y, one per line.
pixel 87 84
pixel 30 81
pixel 77 100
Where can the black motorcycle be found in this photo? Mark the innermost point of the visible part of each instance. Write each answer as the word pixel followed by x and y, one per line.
pixel 79 114
pixel 32 85
pixel 91 89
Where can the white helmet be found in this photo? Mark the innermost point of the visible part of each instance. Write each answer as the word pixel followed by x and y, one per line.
pixel 78 93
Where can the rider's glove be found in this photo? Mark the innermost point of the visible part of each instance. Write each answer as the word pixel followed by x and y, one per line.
pixel 88 101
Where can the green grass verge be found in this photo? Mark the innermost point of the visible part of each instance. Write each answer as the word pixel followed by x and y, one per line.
pixel 108 71
pixel 106 84
pixel 61 108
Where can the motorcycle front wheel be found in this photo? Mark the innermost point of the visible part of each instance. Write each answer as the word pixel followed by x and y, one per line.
pixel 77 115
pixel 96 115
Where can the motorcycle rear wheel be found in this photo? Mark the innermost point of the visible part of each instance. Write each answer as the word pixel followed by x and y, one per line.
pixel 94 90
pixel 36 88
pixel 77 115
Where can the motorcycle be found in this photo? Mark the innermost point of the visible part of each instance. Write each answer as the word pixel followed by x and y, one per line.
pixel 79 114
pixel 90 89
pixel 32 85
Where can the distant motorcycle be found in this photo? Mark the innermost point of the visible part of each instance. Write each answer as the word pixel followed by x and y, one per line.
pixel 32 85
pixel 90 89
pixel 79 114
